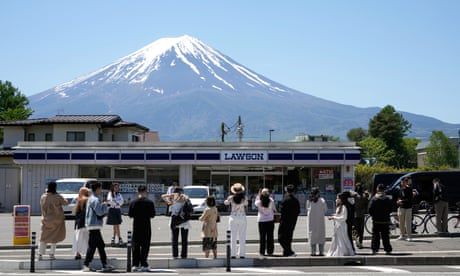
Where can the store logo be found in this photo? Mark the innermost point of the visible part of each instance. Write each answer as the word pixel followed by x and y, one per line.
pixel 243 156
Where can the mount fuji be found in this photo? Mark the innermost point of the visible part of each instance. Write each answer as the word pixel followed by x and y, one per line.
pixel 185 90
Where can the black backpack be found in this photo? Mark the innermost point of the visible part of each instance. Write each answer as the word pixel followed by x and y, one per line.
pixel 187 210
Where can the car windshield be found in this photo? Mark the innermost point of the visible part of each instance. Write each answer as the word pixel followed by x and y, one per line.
pixel 68 187
pixel 196 192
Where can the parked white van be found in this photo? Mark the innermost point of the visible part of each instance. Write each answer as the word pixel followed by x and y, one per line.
pixel 69 188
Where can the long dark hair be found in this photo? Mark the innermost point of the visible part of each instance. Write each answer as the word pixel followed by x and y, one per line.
pixel 343 198
pixel 238 198
pixel 314 194
pixel 265 200
pixel 51 187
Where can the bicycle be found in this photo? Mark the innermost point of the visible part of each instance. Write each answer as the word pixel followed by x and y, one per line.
pixel 394 224
pixel 453 223
pixel 427 222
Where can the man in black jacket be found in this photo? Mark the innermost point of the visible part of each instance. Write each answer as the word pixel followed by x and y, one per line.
pixel 380 210
pixel 290 210
pixel 142 210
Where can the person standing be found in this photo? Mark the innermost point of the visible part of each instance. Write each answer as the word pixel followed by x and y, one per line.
pixel 80 241
pixel 52 221
pixel 115 201
pixel 341 244
pixel 361 209
pixel 176 201
pixel 290 210
pixel 405 199
pixel 380 209
pixel 141 210
pixel 316 211
pixel 95 212
pixel 209 227
pixel 441 205
pixel 170 191
pixel 237 222
pixel 266 220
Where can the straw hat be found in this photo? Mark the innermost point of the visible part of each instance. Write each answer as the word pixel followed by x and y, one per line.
pixel 237 188
pixel 265 192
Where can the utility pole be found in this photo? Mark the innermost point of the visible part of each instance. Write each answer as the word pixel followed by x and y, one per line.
pixel 270 131
pixel 239 129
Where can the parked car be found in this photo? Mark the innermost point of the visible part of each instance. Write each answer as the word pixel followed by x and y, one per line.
pixel 197 195
pixel 69 188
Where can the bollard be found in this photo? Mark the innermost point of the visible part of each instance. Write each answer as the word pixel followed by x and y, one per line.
pixel 32 253
pixel 228 251
pixel 128 253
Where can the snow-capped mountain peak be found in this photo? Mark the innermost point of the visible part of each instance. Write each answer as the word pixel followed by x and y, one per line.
pixel 211 68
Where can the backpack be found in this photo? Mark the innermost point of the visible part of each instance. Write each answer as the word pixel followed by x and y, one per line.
pixel 185 213
pixel 187 210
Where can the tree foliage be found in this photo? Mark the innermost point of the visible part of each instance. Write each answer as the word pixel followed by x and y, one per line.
pixel 13 105
pixel 391 127
pixel 440 151
pixel 356 134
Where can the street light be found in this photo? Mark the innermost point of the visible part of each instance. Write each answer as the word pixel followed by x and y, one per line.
pixel 270 132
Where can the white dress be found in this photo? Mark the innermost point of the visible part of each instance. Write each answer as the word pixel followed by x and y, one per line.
pixel 315 218
pixel 340 245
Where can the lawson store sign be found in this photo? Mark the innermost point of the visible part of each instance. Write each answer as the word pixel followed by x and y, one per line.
pixel 239 156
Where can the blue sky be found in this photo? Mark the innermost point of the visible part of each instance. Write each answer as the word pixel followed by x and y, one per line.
pixel 405 53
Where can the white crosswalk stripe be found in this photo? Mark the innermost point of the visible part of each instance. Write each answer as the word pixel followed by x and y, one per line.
pixel 385 269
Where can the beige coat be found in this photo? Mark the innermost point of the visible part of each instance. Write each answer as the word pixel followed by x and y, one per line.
pixel 53 220
pixel 209 219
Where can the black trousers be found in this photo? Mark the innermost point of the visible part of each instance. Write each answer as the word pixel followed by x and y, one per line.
pixel 175 242
pixel 381 231
pixel 359 228
pixel 141 248
pixel 95 241
pixel 266 240
pixel 285 233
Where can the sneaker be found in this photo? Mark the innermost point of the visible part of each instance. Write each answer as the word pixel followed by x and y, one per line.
pixel 106 268
pixel 87 269
pixel 112 242
pixel 145 269
pixel 409 239
pixel 293 254
pixel 134 268
pixel 401 237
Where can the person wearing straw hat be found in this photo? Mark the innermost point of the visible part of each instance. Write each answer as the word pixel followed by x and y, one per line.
pixel 237 221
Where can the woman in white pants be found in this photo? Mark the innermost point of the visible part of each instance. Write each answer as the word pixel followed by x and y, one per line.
pixel 237 221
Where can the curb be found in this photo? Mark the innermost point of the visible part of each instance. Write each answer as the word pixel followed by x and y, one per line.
pixel 120 264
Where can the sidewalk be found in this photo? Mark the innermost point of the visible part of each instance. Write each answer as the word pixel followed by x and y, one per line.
pixel 424 250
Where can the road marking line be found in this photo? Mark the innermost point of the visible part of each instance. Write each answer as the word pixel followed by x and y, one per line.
pixel 384 269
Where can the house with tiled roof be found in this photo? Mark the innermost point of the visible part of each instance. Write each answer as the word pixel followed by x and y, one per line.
pixel 74 128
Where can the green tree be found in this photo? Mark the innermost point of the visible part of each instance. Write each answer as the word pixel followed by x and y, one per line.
pixel 13 104
pixel 374 151
pixel 356 134
pixel 391 127
pixel 440 151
